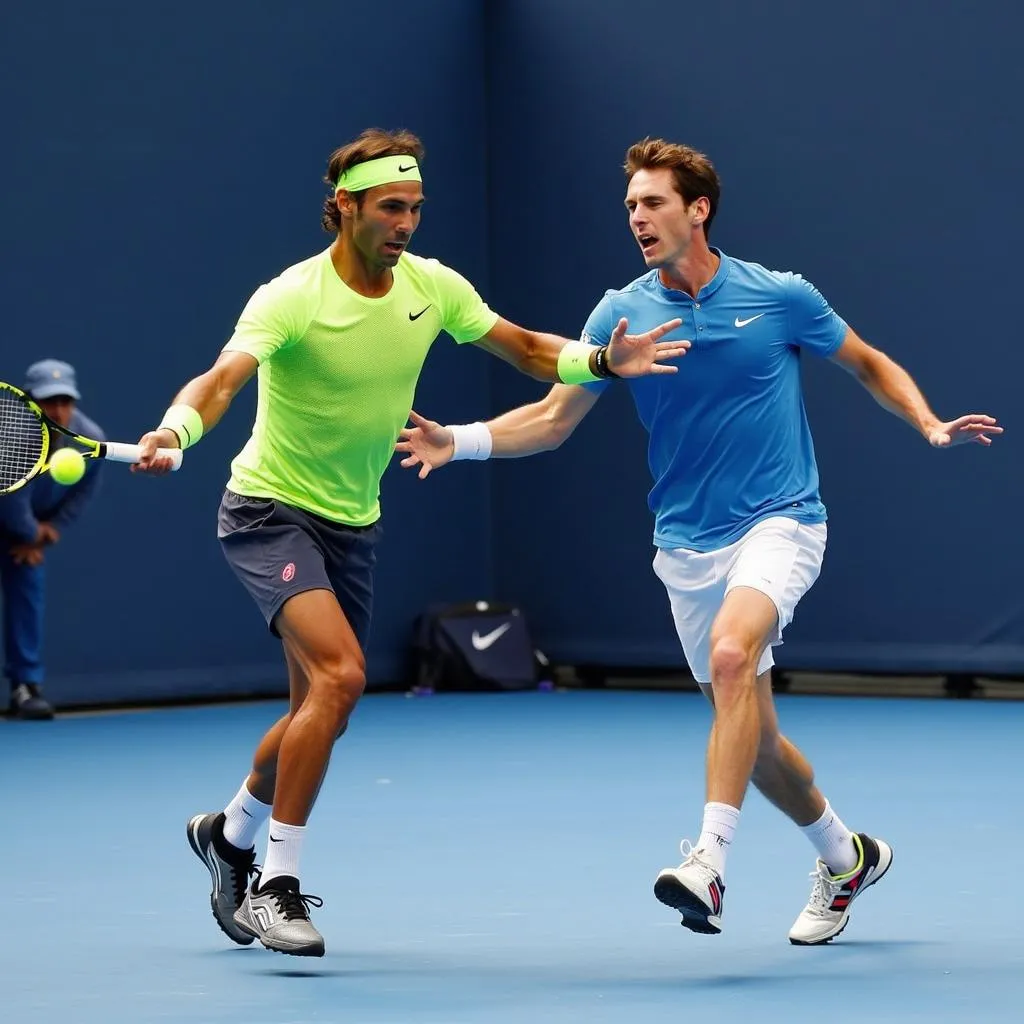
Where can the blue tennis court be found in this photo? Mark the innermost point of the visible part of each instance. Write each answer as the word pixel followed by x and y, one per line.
pixel 490 858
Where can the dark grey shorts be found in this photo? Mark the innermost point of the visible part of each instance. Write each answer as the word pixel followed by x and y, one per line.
pixel 278 551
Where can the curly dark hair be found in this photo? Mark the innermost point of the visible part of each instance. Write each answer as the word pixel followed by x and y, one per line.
pixel 371 144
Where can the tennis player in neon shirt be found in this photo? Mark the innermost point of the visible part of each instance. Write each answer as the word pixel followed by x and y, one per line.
pixel 337 343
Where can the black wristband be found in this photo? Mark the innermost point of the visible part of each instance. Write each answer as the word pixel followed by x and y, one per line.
pixel 601 367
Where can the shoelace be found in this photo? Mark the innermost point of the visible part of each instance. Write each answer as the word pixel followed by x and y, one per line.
pixel 295 905
pixel 690 854
pixel 823 893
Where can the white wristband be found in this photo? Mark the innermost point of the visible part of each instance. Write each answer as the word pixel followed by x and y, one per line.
pixel 472 441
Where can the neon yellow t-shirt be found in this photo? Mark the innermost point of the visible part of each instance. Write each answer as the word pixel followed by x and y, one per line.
pixel 336 378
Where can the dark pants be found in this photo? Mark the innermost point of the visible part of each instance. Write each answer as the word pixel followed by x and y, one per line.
pixel 278 551
pixel 23 589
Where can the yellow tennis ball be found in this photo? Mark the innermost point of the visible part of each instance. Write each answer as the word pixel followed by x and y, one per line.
pixel 67 466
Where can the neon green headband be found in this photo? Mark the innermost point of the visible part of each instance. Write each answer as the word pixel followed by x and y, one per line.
pixel 381 171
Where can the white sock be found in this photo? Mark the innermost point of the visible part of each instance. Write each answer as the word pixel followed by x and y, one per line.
pixel 833 841
pixel 720 821
pixel 243 817
pixel 284 847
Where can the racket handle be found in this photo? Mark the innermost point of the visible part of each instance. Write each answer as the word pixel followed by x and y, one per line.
pixel 132 453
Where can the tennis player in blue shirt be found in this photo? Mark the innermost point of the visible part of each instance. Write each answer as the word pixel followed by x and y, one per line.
pixel 739 524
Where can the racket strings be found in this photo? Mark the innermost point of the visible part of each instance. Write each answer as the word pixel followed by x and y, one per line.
pixel 22 439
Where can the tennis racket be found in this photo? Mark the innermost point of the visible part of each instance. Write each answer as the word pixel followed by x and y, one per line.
pixel 25 441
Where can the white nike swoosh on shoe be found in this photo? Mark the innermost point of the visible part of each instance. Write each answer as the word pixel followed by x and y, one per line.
pixel 481 643
pixel 743 323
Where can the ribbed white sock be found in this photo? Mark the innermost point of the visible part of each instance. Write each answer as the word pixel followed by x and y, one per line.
pixel 243 817
pixel 720 821
pixel 284 848
pixel 833 841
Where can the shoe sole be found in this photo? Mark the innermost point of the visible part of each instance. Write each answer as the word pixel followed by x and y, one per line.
pixel 696 915
pixel 845 919
pixel 313 949
pixel 191 829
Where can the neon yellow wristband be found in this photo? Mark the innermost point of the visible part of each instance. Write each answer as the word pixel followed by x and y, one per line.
pixel 574 363
pixel 185 422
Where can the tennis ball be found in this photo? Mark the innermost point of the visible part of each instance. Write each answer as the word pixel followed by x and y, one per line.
pixel 67 466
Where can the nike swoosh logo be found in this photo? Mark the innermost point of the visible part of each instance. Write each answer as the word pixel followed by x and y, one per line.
pixel 246 813
pixel 749 320
pixel 481 643
pixel 273 840
pixel 411 167
pixel 416 316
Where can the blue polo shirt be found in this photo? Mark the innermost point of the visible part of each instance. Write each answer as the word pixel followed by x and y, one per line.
pixel 729 440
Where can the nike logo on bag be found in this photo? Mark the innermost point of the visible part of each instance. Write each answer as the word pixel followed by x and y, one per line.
pixel 481 643
pixel 749 320
pixel 416 316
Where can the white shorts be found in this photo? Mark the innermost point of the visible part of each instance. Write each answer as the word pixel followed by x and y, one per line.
pixel 779 557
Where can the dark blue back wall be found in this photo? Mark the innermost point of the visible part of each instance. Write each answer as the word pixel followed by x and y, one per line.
pixel 159 164
pixel 872 147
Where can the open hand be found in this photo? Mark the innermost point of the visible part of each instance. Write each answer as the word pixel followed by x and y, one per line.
pixel 973 427
pixel 429 444
pixel 636 355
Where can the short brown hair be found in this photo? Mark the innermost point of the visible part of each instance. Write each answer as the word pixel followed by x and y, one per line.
pixel 371 144
pixel 693 173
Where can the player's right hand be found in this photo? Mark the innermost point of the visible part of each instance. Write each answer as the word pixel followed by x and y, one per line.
pixel 46 533
pixel 429 444
pixel 149 461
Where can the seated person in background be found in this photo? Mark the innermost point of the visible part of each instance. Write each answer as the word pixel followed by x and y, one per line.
pixel 31 519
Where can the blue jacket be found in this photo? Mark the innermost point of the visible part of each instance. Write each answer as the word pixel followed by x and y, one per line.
pixel 43 500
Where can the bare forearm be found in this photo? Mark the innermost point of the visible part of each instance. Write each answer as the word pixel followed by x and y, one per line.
pixel 525 431
pixel 212 392
pixel 209 395
pixel 894 389
pixel 540 358
pixel 196 409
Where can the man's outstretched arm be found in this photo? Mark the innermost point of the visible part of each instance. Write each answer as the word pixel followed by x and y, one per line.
pixel 196 409
pixel 551 358
pixel 894 389
pixel 538 427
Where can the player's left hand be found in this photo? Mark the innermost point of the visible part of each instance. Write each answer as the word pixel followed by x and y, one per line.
pixel 430 445
pixel 974 427
pixel 635 355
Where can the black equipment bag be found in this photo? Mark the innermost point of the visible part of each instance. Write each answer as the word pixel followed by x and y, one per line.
pixel 479 645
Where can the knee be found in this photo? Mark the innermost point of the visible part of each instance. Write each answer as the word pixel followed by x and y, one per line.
pixel 733 663
pixel 339 683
